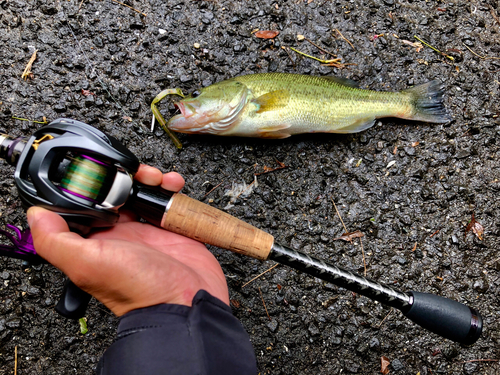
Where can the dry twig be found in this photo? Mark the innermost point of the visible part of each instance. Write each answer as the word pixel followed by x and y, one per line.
pixel 289 56
pixel 481 57
pixel 321 49
pixel 15 360
pixel 268 170
pixel 383 320
pixel 128 6
pixel 434 48
pixel 27 119
pixel 256 277
pixel 27 70
pixel 338 213
pixel 363 252
pixel 480 360
pixel 343 37
pixel 494 14
pixel 331 62
pixel 215 187
pixel 264 303
pixel 433 234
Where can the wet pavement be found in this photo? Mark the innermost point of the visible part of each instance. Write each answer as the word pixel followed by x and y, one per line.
pixel 411 188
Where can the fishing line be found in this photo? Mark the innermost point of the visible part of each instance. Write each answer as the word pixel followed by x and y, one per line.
pixel 86 178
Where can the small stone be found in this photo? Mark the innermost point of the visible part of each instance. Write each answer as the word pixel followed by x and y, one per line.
pixel 374 343
pixel 470 368
pixel 162 31
pixel 362 348
pixel 13 323
pixel 351 367
pixel 89 101
pixel 32 291
pixel 313 330
pixel 273 325
pixel 336 341
pixel 5 275
pixel 397 365
pixel 186 78
pixel 59 108
pixel 196 45
pixel 300 37
pixel 328 172
pixel 481 286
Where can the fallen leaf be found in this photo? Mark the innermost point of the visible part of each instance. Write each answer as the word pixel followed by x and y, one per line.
pixel 350 236
pixel 478 230
pixel 385 365
pixel 267 34
pixel 476 227
pixel 87 93
pixel 417 45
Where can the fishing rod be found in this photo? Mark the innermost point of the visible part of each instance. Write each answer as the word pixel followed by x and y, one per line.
pixel 86 176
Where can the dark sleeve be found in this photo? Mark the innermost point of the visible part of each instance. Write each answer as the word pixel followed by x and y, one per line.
pixel 173 339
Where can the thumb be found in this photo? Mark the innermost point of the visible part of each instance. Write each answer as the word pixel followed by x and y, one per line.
pixel 52 239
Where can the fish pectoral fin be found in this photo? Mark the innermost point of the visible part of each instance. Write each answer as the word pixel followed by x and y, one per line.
pixel 272 100
pixel 357 126
pixel 275 131
pixel 274 135
pixel 342 81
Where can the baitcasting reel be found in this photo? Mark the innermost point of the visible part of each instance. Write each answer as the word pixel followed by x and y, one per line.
pixel 80 173
pixel 73 169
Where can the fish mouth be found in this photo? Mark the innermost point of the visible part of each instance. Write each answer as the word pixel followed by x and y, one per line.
pixel 186 109
pixel 180 124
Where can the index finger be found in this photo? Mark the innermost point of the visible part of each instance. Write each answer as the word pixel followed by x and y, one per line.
pixel 148 175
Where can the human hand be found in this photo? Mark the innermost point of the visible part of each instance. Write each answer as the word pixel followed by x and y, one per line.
pixel 131 265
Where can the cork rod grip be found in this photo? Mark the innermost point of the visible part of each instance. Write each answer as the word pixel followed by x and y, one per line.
pixel 207 224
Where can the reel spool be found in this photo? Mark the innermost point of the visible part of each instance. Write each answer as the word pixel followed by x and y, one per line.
pixel 87 178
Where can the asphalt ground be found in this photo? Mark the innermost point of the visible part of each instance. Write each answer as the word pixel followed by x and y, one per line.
pixel 410 188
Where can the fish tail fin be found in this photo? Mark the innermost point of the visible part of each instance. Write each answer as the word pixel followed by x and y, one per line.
pixel 427 102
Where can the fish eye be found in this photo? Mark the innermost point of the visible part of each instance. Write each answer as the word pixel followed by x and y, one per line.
pixel 195 94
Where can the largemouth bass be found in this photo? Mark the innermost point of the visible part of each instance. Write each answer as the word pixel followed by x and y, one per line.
pixel 278 105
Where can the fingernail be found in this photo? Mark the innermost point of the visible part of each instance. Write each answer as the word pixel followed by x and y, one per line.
pixel 32 215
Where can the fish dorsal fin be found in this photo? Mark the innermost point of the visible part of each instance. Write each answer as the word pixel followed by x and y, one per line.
pixel 272 100
pixel 342 81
